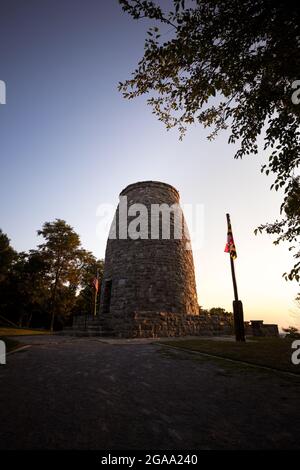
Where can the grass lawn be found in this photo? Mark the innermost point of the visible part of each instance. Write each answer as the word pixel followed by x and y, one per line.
pixel 7 331
pixel 270 352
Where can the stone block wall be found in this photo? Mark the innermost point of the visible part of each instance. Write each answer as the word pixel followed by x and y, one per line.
pixel 258 328
pixel 148 273
pixel 153 324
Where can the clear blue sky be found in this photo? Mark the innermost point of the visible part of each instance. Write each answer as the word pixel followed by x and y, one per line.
pixel 70 142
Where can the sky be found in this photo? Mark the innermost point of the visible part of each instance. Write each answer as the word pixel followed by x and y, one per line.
pixel 70 142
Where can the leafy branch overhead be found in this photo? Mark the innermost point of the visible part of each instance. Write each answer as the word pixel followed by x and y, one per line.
pixel 288 229
pixel 227 64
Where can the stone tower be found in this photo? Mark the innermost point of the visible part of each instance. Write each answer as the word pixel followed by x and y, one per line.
pixel 148 266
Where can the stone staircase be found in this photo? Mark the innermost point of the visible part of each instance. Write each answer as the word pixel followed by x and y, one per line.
pixel 86 326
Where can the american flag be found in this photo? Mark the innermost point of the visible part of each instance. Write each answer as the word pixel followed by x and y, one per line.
pixel 96 283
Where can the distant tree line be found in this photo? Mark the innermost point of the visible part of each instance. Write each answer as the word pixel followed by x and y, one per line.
pixel 44 287
pixel 218 311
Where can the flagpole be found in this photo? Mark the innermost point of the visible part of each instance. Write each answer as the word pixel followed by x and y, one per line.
pixel 95 298
pixel 238 313
pixel 236 297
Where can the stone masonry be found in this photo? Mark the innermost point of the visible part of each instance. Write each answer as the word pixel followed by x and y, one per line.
pixel 149 281
pixel 148 288
pixel 149 274
pixel 149 324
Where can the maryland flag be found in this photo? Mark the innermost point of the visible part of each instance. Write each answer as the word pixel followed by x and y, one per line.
pixel 230 246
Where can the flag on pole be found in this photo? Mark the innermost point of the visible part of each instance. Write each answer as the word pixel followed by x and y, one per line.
pixel 96 283
pixel 230 246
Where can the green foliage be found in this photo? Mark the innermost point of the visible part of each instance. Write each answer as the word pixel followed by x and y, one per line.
pixel 26 289
pixel 227 64
pixel 47 281
pixel 219 311
pixel 61 250
pixel 216 311
pixel 288 229
pixel 67 263
pixel 7 256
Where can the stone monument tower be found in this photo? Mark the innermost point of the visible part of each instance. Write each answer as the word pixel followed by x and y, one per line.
pixel 149 270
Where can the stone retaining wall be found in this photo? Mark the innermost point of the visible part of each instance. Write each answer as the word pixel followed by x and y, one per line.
pixel 258 328
pixel 152 324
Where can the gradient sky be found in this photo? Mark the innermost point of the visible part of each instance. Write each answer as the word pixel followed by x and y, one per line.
pixel 70 142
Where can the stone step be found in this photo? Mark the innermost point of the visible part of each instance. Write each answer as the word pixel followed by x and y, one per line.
pixel 82 332
pixel 88 326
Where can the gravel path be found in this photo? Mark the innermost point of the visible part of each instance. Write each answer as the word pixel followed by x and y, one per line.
pixel 75 393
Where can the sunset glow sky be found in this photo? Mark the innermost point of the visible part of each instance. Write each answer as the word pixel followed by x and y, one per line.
pixel 70 142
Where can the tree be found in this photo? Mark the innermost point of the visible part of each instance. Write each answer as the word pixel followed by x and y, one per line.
pixel 56 277
pixel 227 64
pixel 219 311
pixel 7 256
pixel 65 258
pixel 24 293
pixel 288 228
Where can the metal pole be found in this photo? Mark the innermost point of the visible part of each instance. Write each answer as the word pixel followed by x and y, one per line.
pixel 238 313
pixel 96 292
pixel 95 304
pixel 236 297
